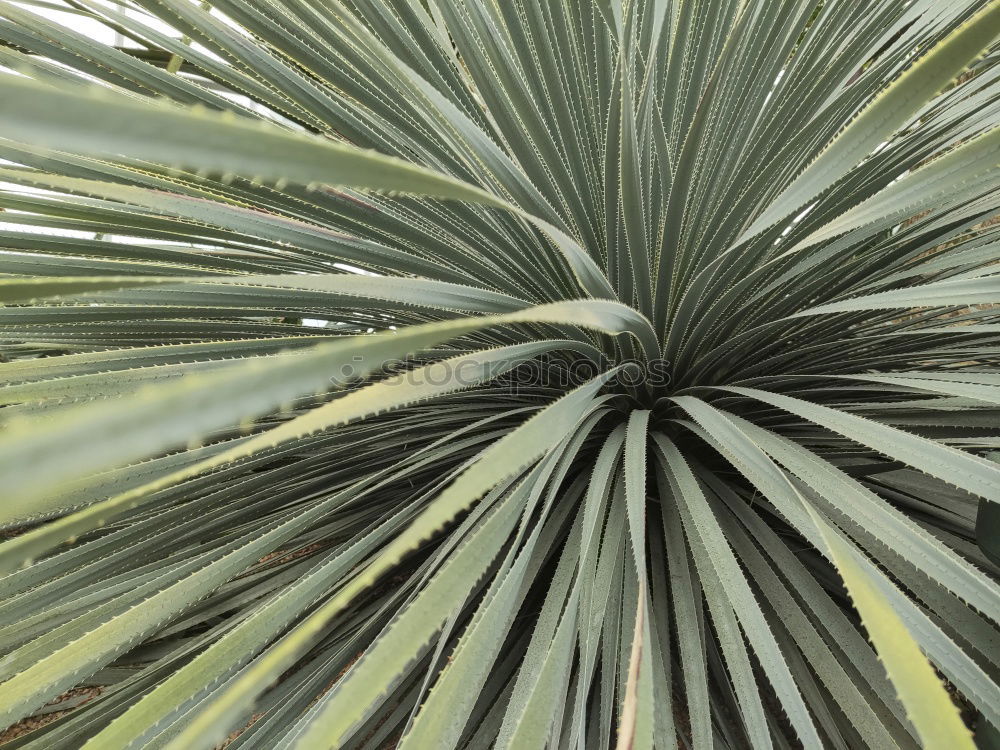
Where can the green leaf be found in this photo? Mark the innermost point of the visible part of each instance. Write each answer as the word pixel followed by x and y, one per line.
pixel 890 110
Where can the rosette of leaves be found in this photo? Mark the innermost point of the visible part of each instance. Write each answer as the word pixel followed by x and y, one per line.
pixel 273 274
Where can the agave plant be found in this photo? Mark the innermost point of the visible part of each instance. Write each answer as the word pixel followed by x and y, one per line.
pixel 458 373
